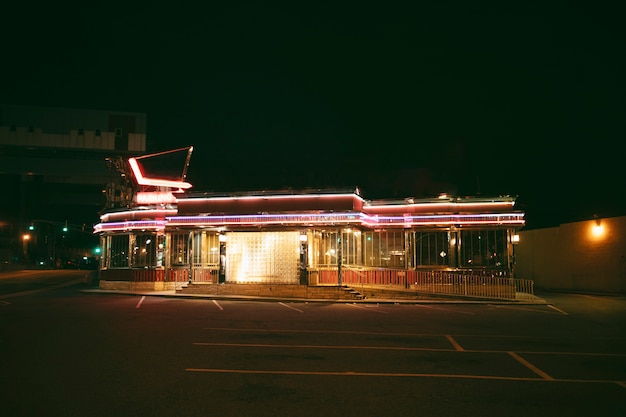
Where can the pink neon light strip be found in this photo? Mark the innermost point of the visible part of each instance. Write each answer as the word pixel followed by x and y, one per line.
pixel 460 219
pixel 318 219
pixel 448 206
pixel 266 219
pixel 506 218
pixel 141 180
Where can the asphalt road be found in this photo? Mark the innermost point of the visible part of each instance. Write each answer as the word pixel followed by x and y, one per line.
pixel 67 352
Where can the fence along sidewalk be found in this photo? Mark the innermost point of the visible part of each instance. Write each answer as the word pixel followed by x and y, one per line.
pixel 432 282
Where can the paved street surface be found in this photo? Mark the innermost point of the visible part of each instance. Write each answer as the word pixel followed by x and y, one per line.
pixel 69 352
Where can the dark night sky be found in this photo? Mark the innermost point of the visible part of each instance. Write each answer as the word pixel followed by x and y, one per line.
pixel 401 101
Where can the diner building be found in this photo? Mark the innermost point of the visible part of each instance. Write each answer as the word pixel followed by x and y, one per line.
pixel 169 236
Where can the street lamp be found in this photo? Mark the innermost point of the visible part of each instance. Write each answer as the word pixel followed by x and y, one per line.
pixel 25 239
pixel 221 279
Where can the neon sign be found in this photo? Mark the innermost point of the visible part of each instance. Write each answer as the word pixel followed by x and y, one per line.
pixel 157 197
pixel 154 182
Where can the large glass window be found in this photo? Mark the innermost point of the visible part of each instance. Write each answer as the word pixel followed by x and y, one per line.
pixel 431 248
pixel 323 248
pixel 484 248
pixel 178 248
pixel 384 249
pixel 351 247
pixel 143 250
pixel 206 249
pixel 118 251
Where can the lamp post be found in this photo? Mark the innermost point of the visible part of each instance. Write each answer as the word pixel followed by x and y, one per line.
pixel 514 241
pixel 222 272
pixel 303 259
pixel 25 240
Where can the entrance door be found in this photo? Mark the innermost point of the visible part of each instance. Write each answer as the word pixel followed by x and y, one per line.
pixel 205 256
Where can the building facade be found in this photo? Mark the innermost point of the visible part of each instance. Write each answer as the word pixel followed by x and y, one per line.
pixel 170 236
pixel 586 256
pixel 58 166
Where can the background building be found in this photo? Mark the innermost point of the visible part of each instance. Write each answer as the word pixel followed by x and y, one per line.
pixel 586 256
pixel 58 169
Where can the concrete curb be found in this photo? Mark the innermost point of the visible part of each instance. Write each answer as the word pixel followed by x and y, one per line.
pixel 173 294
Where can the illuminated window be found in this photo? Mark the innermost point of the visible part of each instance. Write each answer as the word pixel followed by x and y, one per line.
pixel 351 247
pixel 118 251
pixel 178 249
pixel 143 249
pixel 431 248
pixel 384 249
pixel 206 249
pixel 484 248
pixel 324 249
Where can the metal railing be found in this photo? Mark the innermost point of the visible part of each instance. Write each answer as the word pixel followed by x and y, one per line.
pixel 494 284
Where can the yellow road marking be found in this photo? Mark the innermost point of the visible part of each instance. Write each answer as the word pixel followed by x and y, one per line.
pixel 454 343
pixel 530 366
pixel 396 374
pixel 558 309
pixel 268 345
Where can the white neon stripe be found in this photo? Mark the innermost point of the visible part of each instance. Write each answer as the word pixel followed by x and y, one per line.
pixel 108 217
pixel 130 225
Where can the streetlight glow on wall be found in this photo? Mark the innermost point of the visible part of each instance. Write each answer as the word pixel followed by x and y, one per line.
pixel 597 229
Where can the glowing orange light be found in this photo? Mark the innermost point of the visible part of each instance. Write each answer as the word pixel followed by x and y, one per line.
pixel 597 230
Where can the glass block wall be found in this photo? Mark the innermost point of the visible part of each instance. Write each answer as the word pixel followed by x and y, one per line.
pixel 263 257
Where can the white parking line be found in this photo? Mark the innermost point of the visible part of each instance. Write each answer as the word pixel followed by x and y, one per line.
pixel 368 309
pixel 40 290
pixel 218 305
pixel 558 309
pixel 444 309
pixel 140 301
pixel 520 308
pixel 293 308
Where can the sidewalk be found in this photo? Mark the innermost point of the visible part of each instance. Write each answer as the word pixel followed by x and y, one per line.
pixel 367 300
